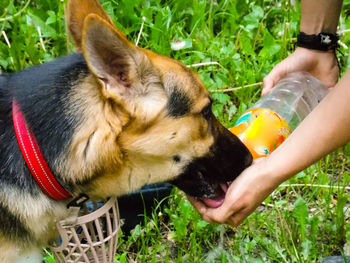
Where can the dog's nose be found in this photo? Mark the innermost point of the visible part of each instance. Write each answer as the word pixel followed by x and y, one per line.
pixel 249 159
pixel 230 149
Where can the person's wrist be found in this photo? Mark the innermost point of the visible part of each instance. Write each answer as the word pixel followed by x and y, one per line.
pixel 321 41
pixel 317 28
pixel 318 54
pixel 265 174
pixel 270 172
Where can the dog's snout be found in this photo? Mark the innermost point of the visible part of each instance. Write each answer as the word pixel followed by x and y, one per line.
pixel 231 153
pixel 225 160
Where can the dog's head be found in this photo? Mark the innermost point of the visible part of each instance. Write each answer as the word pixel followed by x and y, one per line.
pixel 155 116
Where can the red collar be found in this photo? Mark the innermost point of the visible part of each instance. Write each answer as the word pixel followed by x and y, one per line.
pixel 34 158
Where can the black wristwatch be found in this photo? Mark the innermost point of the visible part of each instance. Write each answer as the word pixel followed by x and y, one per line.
pixel 321 41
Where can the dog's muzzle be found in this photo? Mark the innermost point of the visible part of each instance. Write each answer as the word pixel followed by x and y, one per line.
pixel 208 177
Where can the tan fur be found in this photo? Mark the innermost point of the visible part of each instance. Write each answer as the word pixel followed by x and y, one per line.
pixel 77 11
pixel 10 253
pixel 192 85
pixel 40 219
pixel 101 124
pixel 129 131
pixel 126 138
pixel 130 146
pixel 47 213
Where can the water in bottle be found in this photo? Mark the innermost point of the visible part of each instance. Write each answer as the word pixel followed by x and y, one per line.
pixel 264 126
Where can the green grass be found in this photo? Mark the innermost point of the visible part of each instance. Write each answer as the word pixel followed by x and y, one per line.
pixel 302 221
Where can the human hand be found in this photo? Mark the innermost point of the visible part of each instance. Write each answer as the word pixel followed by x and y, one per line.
pixel 321 64
pixel 243 196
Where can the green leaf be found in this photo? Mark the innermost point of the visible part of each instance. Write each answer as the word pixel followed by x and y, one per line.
pixel 201 224
pixel 251 21
pixel 135 233
pixel 306 248
pixel 232 111
pixel 300 211
pixel 122 258
pixel 314 226
pixel 46 30
pixel 270 48
pixel 340 219
pixel 246 44
pixel 281 203
pixel 222 98
pixel 52 18
pixel 237 62
pixel 3 63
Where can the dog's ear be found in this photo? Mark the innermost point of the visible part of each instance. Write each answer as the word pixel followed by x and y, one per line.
pixel 114 60
pixel 77 11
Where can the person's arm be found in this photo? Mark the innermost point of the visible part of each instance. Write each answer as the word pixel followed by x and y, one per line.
pixel 324 130
pixel 320 16
pixel 317 16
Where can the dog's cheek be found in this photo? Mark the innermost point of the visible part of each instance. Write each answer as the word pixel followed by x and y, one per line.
pixel 151 169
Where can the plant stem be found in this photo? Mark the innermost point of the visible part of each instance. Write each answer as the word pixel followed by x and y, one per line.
pixel 17 14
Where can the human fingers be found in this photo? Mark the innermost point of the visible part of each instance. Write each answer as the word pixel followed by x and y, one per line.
pixel 322 65
pixel 277 73
pixel 236 219
pixel 223 213
pixel 197 204
pixel 245 193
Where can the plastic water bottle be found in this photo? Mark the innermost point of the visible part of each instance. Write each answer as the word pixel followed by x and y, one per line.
pixel 263 127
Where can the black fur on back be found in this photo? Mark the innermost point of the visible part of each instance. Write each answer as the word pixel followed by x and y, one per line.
pixel 42 93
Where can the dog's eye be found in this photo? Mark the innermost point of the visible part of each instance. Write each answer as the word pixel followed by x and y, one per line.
pixel 206 112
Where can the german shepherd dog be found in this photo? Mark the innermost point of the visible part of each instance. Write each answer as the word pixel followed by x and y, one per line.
pixel 108 119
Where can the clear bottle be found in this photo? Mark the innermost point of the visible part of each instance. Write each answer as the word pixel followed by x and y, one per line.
pixel 264 126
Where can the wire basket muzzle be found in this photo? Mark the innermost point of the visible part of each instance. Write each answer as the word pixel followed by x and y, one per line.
pixel 93 237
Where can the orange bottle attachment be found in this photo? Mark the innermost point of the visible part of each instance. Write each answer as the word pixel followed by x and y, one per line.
pixel 261 130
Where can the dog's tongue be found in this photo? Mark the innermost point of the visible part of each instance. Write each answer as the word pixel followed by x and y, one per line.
pixel 218 200
pixel 214 203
